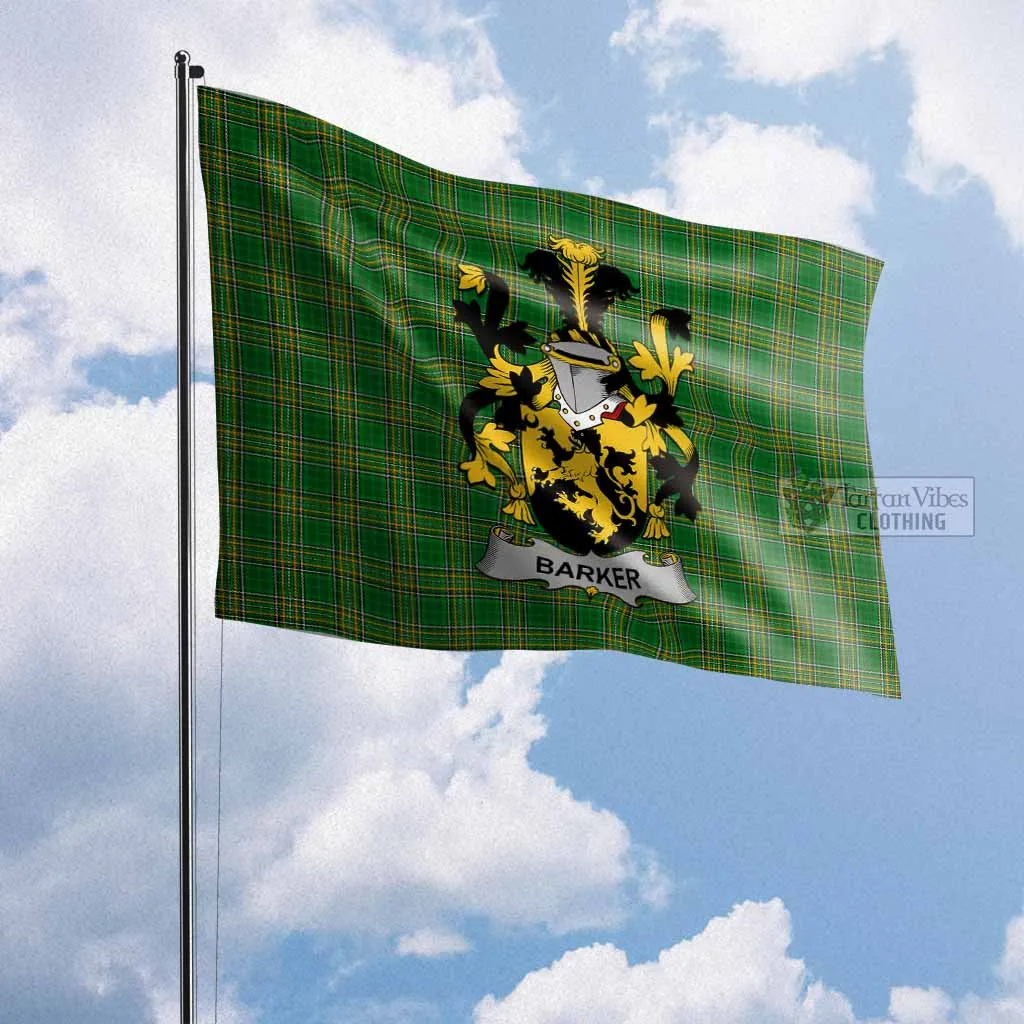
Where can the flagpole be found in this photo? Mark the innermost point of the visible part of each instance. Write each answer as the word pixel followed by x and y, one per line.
pixel 183 72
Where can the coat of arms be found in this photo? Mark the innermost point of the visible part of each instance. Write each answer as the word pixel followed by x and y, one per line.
pixel 589 437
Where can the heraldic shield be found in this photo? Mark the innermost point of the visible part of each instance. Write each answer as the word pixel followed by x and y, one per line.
pixel 588 434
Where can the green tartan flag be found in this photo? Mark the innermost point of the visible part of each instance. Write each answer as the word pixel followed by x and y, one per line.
pixel 460 414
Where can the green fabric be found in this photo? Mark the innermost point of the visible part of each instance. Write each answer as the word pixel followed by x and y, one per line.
pixel 340 370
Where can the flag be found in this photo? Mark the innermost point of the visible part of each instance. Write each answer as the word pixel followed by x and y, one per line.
pixel 467 415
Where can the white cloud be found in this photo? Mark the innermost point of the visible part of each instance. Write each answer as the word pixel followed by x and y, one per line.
pixel 919 1006
pixel 432 942
pixel 782 179
pixel 86 169
pixel 736 971
pixel 784 43
pixel 366 789
pixel 439 813
pixel 36 356
pixel 88 865
pixel 909 1005
pixel 1011 967
pixel 963 57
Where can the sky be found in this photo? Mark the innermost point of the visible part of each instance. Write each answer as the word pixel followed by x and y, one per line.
pixel 412 837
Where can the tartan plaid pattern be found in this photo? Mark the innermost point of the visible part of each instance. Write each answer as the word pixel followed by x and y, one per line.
pixel 340 370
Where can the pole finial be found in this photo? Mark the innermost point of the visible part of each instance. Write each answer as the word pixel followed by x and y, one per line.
pixel 182 57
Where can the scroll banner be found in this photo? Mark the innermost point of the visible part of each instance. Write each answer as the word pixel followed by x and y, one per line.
pixel 627 576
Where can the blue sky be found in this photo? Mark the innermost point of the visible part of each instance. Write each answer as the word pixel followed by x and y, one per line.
pixel 415 837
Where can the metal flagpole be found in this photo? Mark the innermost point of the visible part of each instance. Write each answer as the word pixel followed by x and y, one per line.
pixel 183 72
